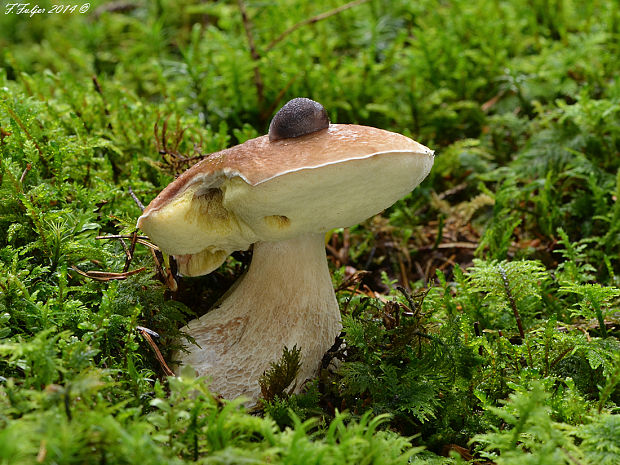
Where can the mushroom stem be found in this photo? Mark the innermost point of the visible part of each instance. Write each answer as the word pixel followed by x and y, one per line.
pixel 286 298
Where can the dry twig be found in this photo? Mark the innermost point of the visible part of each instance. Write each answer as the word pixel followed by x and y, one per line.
pixel 171 155
pixel 106 275
pixel 314 19
pixel 28 168
pixel 146 334
pixel 136 199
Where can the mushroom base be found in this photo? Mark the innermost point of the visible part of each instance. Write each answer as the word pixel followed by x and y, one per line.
pixel 286 298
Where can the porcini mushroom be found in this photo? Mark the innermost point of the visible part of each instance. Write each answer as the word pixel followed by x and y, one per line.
pixel 282 193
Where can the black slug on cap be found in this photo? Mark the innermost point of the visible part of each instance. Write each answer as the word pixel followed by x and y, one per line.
pixel 298 117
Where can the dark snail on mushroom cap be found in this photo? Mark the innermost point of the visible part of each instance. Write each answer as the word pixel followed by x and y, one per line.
pixel 298 117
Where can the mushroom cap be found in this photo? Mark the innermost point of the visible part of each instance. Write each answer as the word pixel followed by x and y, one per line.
pixel 266 190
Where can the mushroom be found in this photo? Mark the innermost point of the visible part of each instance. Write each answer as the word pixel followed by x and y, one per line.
pixel 280 193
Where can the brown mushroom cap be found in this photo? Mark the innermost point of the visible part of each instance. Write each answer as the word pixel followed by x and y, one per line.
pixel 274 190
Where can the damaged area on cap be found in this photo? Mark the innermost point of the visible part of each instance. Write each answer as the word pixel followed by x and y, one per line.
pixel 195 227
